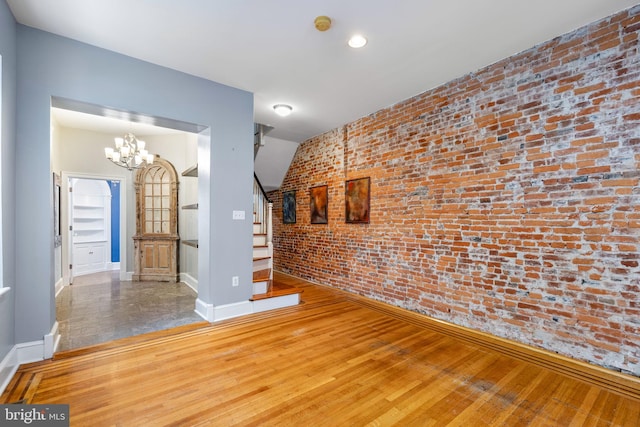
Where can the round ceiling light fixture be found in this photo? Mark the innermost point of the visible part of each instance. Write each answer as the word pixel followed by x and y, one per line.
pixel 283 110
pixel 357 41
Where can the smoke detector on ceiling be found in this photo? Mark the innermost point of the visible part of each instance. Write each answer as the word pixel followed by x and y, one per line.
pixel 322 23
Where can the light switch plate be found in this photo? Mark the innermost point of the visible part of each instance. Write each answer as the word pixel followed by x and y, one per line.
pixel 238 215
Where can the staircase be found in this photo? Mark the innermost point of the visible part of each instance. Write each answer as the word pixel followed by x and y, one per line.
pixel 262 247
pixel 267 295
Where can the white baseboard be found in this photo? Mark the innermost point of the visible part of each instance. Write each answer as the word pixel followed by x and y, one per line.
pixel 275 302
pixel 27 352
pixel 126 275
pixel 32 351
pixel 204 310
pixel 81 272
pixel 212 313
pixel 8 367
pixel 51 341
pixel 189 280
pixel 115 265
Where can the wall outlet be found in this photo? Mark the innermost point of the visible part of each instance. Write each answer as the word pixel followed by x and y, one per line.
pixel 235 281
pixel 238 215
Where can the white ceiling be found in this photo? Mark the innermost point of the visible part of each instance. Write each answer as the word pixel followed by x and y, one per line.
pixel 272 49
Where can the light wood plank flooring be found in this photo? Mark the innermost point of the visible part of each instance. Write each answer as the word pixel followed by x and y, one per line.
pixel 331 361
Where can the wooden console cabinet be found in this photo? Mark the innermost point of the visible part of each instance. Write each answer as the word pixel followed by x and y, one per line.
pixel 156 238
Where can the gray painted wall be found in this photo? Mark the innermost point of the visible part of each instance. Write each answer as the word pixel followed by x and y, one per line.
pixel 8 52
pixel 48 66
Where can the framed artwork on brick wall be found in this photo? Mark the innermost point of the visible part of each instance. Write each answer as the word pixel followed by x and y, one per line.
pixel 289 207
pixel 318 204
pixel 356 201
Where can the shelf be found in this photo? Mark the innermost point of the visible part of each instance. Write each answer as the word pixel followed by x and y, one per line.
pixel 88 222
pixel 192 243
pixel 192 171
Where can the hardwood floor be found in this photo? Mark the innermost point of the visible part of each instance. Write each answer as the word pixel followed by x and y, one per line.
pixel 334 360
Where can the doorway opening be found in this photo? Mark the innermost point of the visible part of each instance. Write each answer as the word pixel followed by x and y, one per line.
pixel 93 221
pixel 99 302
pixel 94 218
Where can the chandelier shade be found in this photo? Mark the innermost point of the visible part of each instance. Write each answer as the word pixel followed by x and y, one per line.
pixel 129 152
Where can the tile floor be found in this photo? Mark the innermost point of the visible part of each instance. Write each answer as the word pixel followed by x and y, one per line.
pixel 99 308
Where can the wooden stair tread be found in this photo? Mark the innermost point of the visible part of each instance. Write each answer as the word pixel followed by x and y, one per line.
pixel 261 258
pixel 277 290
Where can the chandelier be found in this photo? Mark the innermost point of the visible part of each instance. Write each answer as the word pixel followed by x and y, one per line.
pixel 129 152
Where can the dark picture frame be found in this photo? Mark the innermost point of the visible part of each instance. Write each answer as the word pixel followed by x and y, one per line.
pixel 357 206
pixel 318 204
pixel 289 207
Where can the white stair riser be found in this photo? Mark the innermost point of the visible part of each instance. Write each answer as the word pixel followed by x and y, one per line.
pixel 260 251
pixel 259 240
pixel 277 302
pixel 260 287
pixel 257 228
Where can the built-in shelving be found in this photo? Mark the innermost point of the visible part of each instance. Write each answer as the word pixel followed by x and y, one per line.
pixel 191 172
pixel 88 224
pixel 192 243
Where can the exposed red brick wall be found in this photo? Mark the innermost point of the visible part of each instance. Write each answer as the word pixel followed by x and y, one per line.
pixel 506 200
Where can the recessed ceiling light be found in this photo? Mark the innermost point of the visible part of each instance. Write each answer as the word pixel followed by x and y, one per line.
pixel 357 41
pixel 283 109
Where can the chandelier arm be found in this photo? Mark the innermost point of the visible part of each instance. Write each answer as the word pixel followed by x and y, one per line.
pixel 130 153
